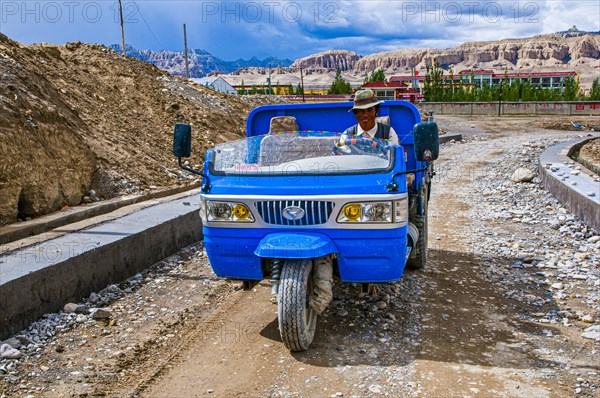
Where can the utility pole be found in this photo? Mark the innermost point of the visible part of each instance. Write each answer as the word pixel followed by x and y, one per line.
pixel 269 79
pixel 500 102
pixel 302 84
pixel 122 28
pixel 187 65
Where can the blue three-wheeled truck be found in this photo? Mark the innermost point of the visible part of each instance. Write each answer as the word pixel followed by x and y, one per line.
pixel 300 204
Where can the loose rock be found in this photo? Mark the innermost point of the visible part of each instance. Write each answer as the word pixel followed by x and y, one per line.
pixel 8 352
pixel 523 175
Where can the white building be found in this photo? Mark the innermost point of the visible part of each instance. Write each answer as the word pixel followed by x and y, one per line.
pixel 216 83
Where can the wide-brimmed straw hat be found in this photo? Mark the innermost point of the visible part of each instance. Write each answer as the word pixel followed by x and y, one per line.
pixel 364 99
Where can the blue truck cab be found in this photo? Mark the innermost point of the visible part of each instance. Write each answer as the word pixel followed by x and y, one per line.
pixel 301 204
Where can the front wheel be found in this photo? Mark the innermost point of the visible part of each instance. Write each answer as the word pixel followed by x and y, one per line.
pixel 418 258
pixel 297 320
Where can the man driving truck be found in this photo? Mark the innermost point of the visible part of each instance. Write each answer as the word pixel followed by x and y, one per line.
pixel 366 109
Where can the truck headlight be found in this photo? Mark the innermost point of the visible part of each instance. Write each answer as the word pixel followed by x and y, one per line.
pixel 378 212
pixel 228 211
pixel 367 212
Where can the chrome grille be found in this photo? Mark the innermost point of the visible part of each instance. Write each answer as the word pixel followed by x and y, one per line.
pixel 315 212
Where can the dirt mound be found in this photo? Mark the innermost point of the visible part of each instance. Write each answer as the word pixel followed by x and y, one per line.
pixel 591 151
pixel 80 121
pixel 568 124
pixel 589 155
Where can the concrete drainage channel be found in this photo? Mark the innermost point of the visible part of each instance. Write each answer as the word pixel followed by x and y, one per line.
pixel 571 183
pixel 39 275
pixel 13 232
pixel 450 137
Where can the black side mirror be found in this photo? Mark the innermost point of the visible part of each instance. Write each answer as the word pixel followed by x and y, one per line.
pixel 182 148
pixel 182 140
pixel 426 141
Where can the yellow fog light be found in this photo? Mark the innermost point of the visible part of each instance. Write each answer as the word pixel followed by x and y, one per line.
pixel 241 212
pixel 352 212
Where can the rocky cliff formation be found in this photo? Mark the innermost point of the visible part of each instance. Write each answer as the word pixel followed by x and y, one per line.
pixel 569 50
pixel 547 50
pixel 330 60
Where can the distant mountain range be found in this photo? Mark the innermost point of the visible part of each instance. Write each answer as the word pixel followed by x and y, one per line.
pixel 200 62
pixel 574 32
pixel 571 49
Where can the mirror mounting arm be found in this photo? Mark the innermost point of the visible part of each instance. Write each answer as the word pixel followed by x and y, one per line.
pixel 205 181
pixel 393 186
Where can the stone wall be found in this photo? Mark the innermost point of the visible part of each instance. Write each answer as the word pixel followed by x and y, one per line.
pixel 584 108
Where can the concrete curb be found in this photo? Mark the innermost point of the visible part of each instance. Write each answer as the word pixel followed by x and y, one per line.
pixel 16 231
pixel 40 279
pixel 555 172
pixel 449 137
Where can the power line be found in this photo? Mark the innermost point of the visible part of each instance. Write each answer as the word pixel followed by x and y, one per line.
pixel 146 23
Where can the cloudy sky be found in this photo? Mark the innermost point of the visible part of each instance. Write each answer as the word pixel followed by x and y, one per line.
pixel 291 29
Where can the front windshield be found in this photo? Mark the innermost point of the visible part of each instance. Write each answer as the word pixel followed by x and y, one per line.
pixel 305 152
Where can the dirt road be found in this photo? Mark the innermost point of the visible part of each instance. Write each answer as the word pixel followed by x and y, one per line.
pixel 482 320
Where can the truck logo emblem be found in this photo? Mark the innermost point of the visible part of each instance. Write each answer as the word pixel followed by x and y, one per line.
pixel 293 213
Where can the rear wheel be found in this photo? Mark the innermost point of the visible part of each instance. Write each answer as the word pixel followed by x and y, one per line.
pixel 418 257
pixel 297 320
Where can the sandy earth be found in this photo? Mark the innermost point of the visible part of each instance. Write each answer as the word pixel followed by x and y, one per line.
pixel 448 331
pixel 79 123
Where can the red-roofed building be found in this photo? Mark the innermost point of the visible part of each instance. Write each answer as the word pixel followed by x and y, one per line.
pixel 392 90
pixel 541 79
pixel 481 77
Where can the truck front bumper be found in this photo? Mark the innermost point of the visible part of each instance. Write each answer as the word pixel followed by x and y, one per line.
pixel 362 255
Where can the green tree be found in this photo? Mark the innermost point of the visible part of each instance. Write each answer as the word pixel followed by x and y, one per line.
pixel 461 94
pixel 339 85
pixel 487 93
pixel 467 90
pixel 557 94
pixel 299 89
pixel 377 76
pixel 595 90
pixel 505 86
pixel 428 85
pixel 540 94
pixel 527 93
pixel 571 90
pixel 449 87
pixel 433 84
pixel 578 92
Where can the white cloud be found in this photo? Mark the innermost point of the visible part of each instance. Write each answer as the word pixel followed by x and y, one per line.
pixel 562 15
pixel 243 28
